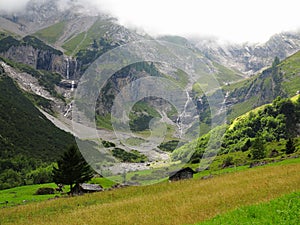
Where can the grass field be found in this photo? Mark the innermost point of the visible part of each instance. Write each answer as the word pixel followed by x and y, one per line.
pixel 184 202
pixel 74 44
pixel 26 194
pixel 284 210
pixel 52 33
pixel 23 195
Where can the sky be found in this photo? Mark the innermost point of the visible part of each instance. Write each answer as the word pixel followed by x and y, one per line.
pixel 230 20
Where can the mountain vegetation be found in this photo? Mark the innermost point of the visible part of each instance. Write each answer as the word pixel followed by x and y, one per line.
pixel 281 79
pixel 51 34
pixel 133 156
pixel 252 132
pixel 28 140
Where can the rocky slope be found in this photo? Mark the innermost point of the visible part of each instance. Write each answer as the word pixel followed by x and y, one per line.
pixel 281 79
pixel 251 58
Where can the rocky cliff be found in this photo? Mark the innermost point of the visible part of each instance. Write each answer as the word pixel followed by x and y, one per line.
pixel 37 54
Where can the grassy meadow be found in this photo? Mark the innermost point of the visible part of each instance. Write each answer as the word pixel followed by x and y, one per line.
pixel 183 202
pixel 284 210
pixel 23 195
pixel 26 194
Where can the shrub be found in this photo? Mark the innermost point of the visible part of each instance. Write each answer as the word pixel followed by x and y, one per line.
pixel 45 191
pixel 258 149
pixel 228 161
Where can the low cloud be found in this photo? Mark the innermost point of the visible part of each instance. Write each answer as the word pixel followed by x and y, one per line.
pixel 11 6
pixel 232 20
pixel 15 6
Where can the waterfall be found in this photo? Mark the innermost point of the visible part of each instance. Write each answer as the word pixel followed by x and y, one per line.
pixel 223 105
pixel 75 69
pixel 72 85
pixel 68 109
pixel 68 68
pixel 181 116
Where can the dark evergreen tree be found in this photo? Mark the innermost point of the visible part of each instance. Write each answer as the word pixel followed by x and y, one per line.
pixel 72 169
pixel 290 146
pixel 95 44
pixel 275 62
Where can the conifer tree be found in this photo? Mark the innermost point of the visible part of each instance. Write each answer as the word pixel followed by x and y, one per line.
pixel 72 169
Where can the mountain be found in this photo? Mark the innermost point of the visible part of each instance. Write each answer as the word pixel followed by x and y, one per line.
pixel 281 79
pixel 24 129
pixel 70 43
pixel 38 15
pixel 250 58
pixel 28 140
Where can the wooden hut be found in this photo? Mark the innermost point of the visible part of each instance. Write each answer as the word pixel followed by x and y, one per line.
pixel 184 173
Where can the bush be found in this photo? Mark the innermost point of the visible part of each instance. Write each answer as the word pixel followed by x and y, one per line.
pixel 228 161
pixel 169 146
pixel 40 175
pixel 108 144
pixel 133 156
pixel 258 149
pixel 45 191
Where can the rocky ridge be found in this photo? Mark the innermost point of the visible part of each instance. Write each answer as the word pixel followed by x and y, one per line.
pixel 251 58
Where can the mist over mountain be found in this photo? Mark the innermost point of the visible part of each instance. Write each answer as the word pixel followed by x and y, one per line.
pixel 228 20
pixel 25 6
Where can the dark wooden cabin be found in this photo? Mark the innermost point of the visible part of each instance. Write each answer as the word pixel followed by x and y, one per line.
pixel 185 173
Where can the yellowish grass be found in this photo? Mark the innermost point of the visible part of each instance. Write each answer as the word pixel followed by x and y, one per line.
pixel 295 98
pixel 184 202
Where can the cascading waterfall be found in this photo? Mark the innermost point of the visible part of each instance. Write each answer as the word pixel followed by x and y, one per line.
pixel 68 109
pixel 181 116
pixel 68 68
pixel 72 85
pixel 75 69
pixel 223 106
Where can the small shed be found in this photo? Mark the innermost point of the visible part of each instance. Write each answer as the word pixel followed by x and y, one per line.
pixel 184 173
pixel 87 188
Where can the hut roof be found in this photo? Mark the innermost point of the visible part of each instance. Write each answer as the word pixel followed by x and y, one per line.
pixel 186 169
pixel 91 187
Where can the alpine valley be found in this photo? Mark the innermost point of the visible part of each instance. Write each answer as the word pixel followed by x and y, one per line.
pixel 46 50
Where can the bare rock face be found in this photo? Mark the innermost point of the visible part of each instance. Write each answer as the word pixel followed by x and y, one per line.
pixel 44 60
pixel 251 58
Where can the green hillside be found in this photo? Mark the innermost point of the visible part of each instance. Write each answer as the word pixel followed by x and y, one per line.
pixel 27 138
pixel 265 129
pixel 282 79
pixel 51 34
pixel 84 40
